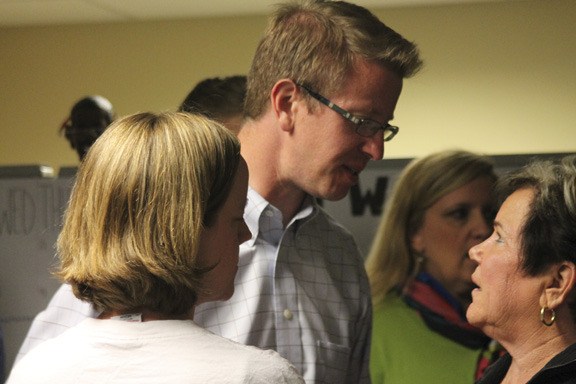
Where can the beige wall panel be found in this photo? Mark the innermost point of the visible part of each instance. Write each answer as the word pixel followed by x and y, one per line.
pixel 500 77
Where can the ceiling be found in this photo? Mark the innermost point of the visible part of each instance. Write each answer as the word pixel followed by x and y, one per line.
pixel 53 12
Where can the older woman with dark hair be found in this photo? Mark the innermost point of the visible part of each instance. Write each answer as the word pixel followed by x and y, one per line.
pixel 526 274
pixel 152 230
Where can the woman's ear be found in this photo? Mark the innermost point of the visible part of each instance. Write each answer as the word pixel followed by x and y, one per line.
pixel 282 98
pixel 559 287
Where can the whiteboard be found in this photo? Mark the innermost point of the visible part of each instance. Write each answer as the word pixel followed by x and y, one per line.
pixel 30 217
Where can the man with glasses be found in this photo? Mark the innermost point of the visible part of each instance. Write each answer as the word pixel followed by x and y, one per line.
pixel 364 126
pixel 321 91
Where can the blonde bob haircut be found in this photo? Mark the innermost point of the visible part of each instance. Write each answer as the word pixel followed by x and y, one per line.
pixel 317 43
pixel 144 193
pixel 424 181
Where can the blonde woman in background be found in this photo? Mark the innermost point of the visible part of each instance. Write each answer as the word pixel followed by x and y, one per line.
pixel 420 274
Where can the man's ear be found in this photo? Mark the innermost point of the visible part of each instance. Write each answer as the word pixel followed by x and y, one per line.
pixel 282 98
pixel 560 284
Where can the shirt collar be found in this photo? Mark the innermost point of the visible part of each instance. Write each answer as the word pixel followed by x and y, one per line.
pixel 256 206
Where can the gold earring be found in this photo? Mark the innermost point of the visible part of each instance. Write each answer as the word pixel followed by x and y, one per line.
pixel 552 313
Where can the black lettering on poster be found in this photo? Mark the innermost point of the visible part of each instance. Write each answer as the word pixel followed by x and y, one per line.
pixel 374 200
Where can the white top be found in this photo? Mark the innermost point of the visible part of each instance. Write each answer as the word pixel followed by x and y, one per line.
pixel 164 351
pixel 63 311
pixel 301 291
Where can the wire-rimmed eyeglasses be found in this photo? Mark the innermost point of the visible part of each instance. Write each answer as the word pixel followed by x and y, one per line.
pixel 364 126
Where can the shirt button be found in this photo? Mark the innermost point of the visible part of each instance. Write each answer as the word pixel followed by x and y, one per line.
pixel 269 213
pixel 288 314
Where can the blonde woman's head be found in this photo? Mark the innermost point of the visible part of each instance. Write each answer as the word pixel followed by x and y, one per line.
pixel 144 193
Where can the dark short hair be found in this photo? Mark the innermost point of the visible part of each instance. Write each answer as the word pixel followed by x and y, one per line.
pixel 217 97
pixel 317 42
pixel 548 235
pixel 88 119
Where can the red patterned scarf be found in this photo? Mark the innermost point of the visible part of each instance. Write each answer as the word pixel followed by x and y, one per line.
pixel 443 314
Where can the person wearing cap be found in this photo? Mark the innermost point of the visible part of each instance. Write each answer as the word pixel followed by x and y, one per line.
pixel 88 119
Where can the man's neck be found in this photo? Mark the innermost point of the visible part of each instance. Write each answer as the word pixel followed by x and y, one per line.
pixel 261 150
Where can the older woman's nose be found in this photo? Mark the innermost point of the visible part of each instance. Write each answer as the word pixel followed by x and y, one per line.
pixel 475 253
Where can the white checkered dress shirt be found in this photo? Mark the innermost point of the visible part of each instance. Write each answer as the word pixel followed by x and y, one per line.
pixel 301 291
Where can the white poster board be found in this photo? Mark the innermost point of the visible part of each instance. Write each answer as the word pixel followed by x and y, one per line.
pixel 30 215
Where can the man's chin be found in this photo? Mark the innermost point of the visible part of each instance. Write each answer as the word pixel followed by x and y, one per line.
pixel 335 195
